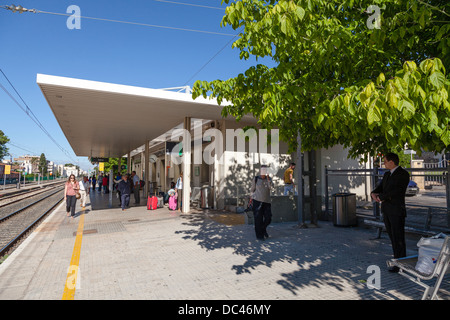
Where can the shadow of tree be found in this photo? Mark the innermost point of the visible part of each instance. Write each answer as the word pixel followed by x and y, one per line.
pixel 325 257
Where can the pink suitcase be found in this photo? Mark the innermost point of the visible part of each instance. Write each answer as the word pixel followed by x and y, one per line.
pixel 173 203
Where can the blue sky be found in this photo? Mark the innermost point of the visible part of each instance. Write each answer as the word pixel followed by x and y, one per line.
pixel 32 43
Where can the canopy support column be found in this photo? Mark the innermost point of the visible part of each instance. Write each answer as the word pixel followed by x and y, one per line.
pixel 186 165
pixel 146 168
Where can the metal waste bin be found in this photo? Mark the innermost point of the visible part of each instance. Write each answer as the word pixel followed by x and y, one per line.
pixel 206 197
pixel 344 209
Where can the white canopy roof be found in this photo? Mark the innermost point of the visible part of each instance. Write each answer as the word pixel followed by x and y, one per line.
pixel 109 120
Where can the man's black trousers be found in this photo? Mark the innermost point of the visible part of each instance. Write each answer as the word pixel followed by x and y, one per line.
pixel 395 227
pixel 262 213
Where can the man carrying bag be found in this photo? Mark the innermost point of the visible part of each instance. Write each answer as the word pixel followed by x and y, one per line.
pixel 261 203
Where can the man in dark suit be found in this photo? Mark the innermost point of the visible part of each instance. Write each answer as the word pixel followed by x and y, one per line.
pixel 391 194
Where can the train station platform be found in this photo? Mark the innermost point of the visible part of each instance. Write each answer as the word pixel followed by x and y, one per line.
pixel 201 255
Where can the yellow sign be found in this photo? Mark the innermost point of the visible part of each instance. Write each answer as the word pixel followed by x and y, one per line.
pixel 101 166
pixel 7 169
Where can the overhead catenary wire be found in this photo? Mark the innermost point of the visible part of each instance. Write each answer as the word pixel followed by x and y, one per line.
pixel 31 115
pixel 211 59
pixel 36 121
pixel 21 9
pixel 190 4
pixel 16 146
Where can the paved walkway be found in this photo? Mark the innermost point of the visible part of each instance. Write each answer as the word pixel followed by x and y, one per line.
pixel 141 254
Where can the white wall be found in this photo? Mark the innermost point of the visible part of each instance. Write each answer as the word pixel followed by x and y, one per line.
pixel 337 158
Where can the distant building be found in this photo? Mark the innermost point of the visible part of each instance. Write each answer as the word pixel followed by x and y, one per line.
pixel 29 164
pixel 52 168
pixel 61 170
pixel 72 170
pixel 432 160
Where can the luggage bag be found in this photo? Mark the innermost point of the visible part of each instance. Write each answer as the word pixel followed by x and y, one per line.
pixel 152 203
pixel 160 202
pixel 172 203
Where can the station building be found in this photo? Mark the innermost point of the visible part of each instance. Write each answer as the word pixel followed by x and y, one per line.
pixel 163 132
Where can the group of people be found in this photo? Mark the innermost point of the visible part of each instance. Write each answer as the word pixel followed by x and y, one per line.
pixel 74 190
pixel 102 181
pixel 390 193
pixel 126 184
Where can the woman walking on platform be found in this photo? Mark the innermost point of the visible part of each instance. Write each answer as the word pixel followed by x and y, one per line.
pixel 70 195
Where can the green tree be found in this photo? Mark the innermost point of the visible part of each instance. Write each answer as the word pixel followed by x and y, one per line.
pixel 42 165
pixel 339 77
pixel 3 149
pixel 113 164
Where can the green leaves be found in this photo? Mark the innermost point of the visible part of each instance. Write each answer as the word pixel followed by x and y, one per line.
pixel 3 141
pixel 437 79
pixel 337 81
pixel 415 103
pixel 374 114
pixel 299 12
pixel 407 108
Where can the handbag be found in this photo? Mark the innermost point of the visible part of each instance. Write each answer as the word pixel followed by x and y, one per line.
pixel 77 193
pixel 249 206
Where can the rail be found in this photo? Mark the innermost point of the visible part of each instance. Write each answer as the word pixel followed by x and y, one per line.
pixel 413 223
pixel 27 206
pixel 23 232
pixel 375 175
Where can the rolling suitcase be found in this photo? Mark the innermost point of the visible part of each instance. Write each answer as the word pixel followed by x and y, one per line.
pixel 160 202
pixel 152 203
pixel 172 203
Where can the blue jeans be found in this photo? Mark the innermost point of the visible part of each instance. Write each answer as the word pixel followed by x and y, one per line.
pixel 125 200
pixel 289 188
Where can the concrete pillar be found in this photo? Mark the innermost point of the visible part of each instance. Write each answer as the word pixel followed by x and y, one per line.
pixel 299 167
pixel 129 163
pixel 110 187
pixel 419 178
pixel 146 169
pixel 186 165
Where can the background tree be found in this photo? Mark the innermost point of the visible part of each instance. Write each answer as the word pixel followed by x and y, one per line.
pixel 3 149
pixel 113 164
pixel 341 76
pixel 43 165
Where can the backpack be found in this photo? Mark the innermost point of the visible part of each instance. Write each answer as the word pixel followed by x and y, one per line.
pixel 142 183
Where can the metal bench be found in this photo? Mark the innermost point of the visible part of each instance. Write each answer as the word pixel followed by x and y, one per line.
pixel 416 222
pixel 407 269
pixel 380 225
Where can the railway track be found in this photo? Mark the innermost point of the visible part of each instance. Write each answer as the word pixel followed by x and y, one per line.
pixel 33 184
pixel 14 198
pixel 16 224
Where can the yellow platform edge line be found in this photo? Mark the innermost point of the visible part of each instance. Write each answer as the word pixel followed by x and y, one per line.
pixel 72 273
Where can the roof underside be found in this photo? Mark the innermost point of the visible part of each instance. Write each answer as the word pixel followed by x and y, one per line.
pixel 109 120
